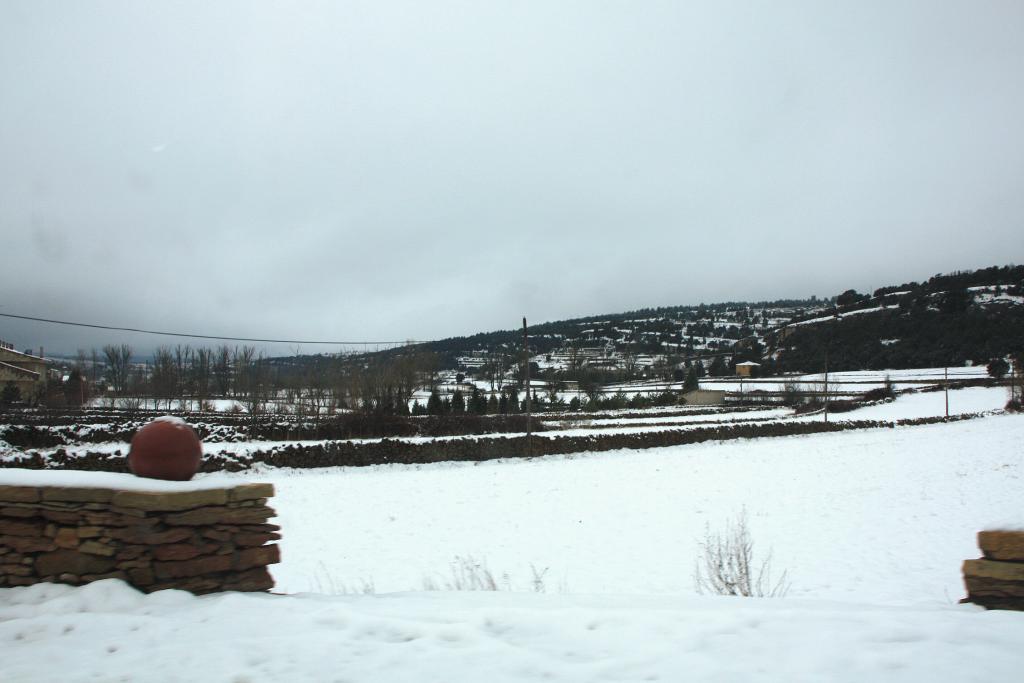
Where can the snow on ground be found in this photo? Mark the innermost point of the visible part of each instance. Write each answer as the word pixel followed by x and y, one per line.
pixel 837 316
pixel 871 526
pixel 882 515
pixel 906 406
pixel 220 405
pixel 854 381
pixel 933 404
pixel 107 632
pixel 767 413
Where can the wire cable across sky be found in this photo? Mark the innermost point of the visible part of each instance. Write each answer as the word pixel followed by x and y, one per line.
pixel 210 336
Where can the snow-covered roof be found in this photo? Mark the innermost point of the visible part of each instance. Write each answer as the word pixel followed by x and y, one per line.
pixel 17 369
pixel 10 349
pixel 748 363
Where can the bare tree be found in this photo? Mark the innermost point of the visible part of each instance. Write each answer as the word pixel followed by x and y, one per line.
pixel 629 363
pixel 164 378
pixel 118 363
pixel 315 388
pixel 242 362
pixel 576 360
pixel 494 368
pixel 182 376
pixel 94 363
pixel 202 366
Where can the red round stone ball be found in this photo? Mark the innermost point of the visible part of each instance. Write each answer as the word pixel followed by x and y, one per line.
pixel 166 448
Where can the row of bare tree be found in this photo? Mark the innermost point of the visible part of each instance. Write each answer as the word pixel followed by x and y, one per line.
pixel 186 377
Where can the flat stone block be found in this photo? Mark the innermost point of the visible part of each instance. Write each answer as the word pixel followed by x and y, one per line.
pixel 994 569
pixel 28 544
pixel 19 494
pixel 197 567
pixel 257 579
pixel 1002 545
pixel 170 501
pixel 22 528
pixel 20 512
pixel 61 516
pixel 257 557
pixel 66 538
pixel 249 539
pixel 250 492
pixel 147 535
pixel 141 576
pixel 96 548
pixel 22 580
pixel 15 570
pixel 991 583
pixel 176 551
pixel 72 562
pixel 74 494
pixel 215 515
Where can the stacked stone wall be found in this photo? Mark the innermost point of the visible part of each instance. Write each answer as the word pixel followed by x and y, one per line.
pixel 996 581
pixel 202 540
pixel 387 451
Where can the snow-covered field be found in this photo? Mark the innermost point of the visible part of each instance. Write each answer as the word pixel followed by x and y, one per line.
pixel 876 515
pixel 871 527
pixel 854 381
pixel 907 406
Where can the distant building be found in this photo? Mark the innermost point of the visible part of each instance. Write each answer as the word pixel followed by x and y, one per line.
pixel 746 368
pixel 23 370
pixel 704 397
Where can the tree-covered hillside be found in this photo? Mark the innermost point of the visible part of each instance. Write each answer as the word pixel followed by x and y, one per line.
pixel 948 320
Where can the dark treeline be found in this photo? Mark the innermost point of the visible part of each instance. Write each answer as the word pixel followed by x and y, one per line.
pixel 934 324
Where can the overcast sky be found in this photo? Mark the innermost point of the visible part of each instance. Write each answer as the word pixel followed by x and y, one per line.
pixel 386 170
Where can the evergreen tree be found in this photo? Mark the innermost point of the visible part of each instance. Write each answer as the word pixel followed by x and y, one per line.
pixel 492 405
pixel 418 409
pixel 691 383
pixel 434 405
pixel 503 403
pixel 10 394
pixel 401 407
pixel 998 368
pixel 477 403
pixel 75 393
pixel 458 403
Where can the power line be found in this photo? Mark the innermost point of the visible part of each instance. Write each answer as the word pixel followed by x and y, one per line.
pixel 210 336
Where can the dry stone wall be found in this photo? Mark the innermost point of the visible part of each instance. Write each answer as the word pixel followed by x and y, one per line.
pixel 202 540
pixel 996 581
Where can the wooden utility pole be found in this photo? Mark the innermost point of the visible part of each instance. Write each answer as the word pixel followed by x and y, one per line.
pixel 945 373
pixel 826 385
pixel 526 381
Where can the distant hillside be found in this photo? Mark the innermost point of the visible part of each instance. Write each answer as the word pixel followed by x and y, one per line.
pixel 948 319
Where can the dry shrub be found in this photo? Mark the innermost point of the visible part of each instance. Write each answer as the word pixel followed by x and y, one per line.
pixel 727 565
pixel 466 575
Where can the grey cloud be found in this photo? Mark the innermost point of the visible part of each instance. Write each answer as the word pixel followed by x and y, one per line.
pixel 397 170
